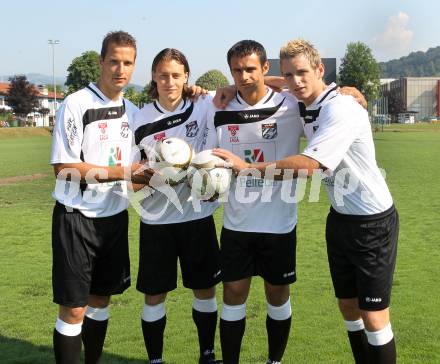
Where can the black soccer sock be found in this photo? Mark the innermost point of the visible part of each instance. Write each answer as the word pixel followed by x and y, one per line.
pixel 383 354
pixel 278 322
pixel 359 346
pixel 232 327
pixel 204 314
pixel 277 336
pixel 358 341
pixel 67 343
pixel 381 345
pixel 94 330
pixel 153 337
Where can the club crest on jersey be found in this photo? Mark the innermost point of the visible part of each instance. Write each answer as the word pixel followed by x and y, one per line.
pixel 192 129
pixel 253 155
pixel 124 129
pixel 269 131
pixel 233 129
pixel 115 157
pixel 159 136
pixel 103 128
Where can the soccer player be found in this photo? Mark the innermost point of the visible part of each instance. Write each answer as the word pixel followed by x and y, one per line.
pixel 259 231
pixel 167 234
pixel 91 148
pixel 362 226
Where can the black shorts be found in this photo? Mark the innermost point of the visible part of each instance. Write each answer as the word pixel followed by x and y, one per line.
pixel 246 254
pixel 362 256
pixel 193 242
pixel 90 256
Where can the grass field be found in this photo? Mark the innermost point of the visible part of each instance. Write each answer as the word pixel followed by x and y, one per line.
pixel 409 154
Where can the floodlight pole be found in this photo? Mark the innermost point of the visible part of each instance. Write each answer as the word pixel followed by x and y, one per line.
pixel 52 43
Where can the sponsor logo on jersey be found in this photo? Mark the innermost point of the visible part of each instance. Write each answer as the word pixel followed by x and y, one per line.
pixel 124 129
pixel 315 128
pixel 112 113
pixel 103 128
pixel 373 299
pixel 115 157
pixel 247 116
pixel 159 136
pixel 192 129
pixel 269 131
pixel 253 155
pixel 233 129
pixel 173 121
pixel 289 274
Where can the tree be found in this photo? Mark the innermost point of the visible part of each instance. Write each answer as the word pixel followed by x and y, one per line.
pixel 22 96
pixel 360 69
pixel 138 98
pixel 132 95
pixel 82 71
pixel 212 80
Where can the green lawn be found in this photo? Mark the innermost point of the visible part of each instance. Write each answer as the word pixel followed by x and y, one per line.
pixel 409 154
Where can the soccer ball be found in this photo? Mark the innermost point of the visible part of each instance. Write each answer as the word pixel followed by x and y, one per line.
pixel 171 157
pixel 205 179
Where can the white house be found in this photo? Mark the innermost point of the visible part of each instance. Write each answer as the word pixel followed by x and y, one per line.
pixel 46 99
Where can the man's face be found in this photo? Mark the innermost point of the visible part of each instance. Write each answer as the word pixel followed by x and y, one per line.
pixel 117 67
pixel 248 73
pixel 170 77
pixel 304 82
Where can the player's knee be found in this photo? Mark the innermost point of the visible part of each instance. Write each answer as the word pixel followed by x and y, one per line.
pixel 72 315
pixel 99 301
pixel 375 320
pixel 277 295
pixel 234 295
pixel 349 309
pixel 153 300
pixel 204 294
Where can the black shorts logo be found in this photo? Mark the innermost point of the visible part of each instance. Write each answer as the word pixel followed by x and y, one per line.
pixel 269 131
pixel 192 129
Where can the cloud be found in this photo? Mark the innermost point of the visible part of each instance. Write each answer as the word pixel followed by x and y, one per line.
pixel 396 38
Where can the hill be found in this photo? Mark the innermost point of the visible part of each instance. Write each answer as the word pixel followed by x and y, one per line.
pixel 416 64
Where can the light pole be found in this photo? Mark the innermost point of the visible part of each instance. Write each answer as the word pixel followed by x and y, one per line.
pixel 52 43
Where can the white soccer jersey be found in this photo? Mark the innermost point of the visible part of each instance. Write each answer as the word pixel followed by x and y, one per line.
pixel 266 131
pixel 188 122
pixel 340 138
pixel 94 129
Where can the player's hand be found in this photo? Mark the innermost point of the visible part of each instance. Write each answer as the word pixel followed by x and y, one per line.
pixel 141 173
pixel 231 160
pixel 353 91
pixel 196 91
pixel 276 83
pixel 223 96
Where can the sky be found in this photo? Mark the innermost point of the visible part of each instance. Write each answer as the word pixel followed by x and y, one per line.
pixel 205 30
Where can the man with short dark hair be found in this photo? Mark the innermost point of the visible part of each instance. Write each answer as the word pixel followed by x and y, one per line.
pixel 259 229
pixel 91 149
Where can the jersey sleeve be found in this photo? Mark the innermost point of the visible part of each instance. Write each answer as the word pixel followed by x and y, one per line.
pixel 338 129
pixel 67 134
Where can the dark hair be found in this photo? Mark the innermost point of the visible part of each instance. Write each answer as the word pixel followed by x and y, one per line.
pixel 119 38
pixel 246 48
pixel 167 54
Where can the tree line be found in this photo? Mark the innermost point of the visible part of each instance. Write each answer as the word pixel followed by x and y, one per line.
pixel 416 64
pixel 358 68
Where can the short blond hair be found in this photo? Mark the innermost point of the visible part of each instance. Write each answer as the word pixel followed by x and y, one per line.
pixel 299 47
